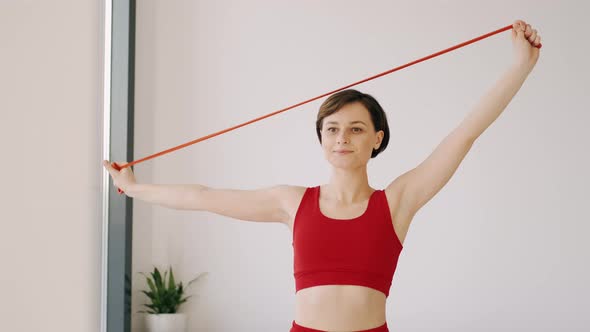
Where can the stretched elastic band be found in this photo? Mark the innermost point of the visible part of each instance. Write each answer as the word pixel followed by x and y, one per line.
pixel 508 27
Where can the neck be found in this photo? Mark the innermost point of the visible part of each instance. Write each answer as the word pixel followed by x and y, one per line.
pixel 348 186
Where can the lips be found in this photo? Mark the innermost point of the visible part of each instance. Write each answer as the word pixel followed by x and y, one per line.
pixel 342 151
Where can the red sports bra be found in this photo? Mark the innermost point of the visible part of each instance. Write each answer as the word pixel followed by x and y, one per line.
pixel 360 251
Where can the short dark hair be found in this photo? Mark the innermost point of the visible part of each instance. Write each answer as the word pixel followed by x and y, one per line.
pixel 336 101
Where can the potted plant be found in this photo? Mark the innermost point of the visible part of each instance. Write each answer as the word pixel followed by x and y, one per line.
pixel 166 298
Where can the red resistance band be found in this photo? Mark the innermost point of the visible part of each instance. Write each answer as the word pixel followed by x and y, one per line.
pixel 508 27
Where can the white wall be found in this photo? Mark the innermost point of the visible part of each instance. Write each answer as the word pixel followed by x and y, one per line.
pixel 50 140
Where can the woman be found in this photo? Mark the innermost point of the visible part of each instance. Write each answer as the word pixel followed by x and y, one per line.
pixel 347 236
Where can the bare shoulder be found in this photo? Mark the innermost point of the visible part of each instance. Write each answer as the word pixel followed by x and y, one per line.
pixel 290 191
pixel 290 196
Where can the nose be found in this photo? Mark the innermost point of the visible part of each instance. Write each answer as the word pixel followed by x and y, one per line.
pixel 342 138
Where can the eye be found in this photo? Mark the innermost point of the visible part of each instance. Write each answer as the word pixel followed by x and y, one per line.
pixel 355 129
pixel 330 129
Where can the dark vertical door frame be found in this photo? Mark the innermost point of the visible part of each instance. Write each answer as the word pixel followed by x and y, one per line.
pixel 118 113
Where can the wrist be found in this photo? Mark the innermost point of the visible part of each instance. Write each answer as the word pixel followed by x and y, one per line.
pixel 523 67
pixel 131 190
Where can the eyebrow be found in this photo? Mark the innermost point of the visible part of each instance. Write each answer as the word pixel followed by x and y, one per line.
pixel 352 122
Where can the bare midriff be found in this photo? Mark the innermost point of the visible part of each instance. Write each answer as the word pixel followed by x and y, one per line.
pixel 340 307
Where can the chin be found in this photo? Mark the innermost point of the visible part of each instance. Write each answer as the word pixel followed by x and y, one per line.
pixel 353 164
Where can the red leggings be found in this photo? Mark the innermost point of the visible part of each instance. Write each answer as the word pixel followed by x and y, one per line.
pixel 298 328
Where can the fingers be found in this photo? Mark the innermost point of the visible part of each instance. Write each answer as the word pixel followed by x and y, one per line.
pixel 112 171
pixel 112 168
pixel 528 31
pixel 533 35
pixel 530 34
pixel 108 166
pixel 519 25
pixel 522 26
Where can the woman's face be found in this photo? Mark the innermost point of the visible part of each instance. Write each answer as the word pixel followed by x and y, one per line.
pixel 349 137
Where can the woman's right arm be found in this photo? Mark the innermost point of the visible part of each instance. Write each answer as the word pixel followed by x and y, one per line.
pixel 266 204
pixel 173 196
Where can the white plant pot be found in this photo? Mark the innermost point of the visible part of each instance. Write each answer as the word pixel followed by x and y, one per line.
pixel 166 322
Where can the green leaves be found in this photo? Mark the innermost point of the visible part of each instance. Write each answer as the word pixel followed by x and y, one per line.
pixel 165 295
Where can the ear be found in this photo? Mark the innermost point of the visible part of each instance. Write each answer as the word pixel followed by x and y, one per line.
pixel 380 135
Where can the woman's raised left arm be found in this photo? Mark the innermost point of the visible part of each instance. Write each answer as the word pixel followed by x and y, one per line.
pixel 493 103
pixel 429 177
